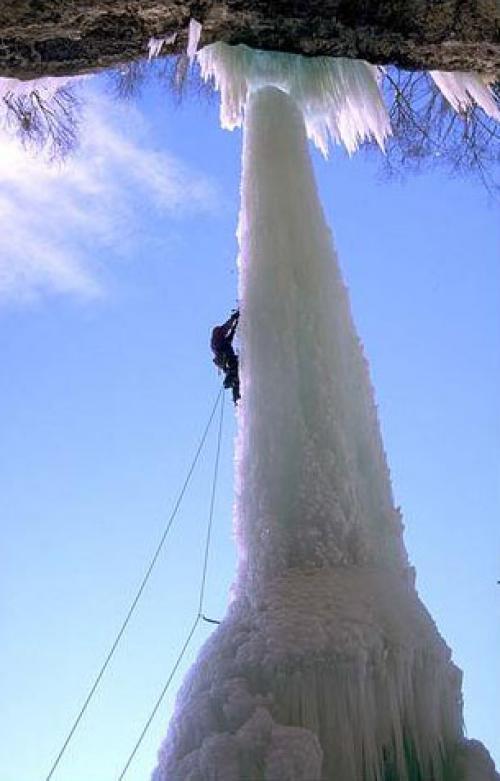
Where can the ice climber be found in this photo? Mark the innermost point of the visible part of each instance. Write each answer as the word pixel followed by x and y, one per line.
pixel 224 356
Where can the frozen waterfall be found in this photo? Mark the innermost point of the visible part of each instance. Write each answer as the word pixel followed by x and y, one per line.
pixel 327 665
pixel 313 486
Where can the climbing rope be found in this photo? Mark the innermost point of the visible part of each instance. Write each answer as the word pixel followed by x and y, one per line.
pixel 140 589
pixel 199 616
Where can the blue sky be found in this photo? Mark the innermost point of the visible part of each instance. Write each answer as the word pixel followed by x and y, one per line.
pixel 113 270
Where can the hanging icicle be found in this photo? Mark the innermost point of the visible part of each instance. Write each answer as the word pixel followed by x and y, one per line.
pixel 155 45
pixel 462 90
pixel 340 98
pixel 194 35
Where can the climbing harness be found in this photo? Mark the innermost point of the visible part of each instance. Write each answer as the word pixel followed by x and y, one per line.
pixel 225 357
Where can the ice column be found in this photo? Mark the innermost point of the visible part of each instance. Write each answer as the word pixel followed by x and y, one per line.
pixel 312 482
pixel 327 666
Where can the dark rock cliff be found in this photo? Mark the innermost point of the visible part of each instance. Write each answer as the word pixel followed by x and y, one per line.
pixel 39 37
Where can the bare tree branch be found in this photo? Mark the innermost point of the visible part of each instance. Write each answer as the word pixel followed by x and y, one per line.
pixel 428 132
pixel 41 121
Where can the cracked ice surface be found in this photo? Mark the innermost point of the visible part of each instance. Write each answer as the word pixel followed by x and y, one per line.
pixel 327 665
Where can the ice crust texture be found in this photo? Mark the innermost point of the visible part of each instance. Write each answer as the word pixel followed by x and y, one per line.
pixel 327 665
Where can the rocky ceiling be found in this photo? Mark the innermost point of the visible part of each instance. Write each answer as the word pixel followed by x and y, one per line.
pixel 41 37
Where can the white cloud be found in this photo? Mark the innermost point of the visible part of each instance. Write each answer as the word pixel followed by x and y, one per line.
pixel 54 217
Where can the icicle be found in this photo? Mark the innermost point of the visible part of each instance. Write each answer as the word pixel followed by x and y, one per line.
pixel 340 98
pixel 462 89
pixel 194 35
pixel 155 45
